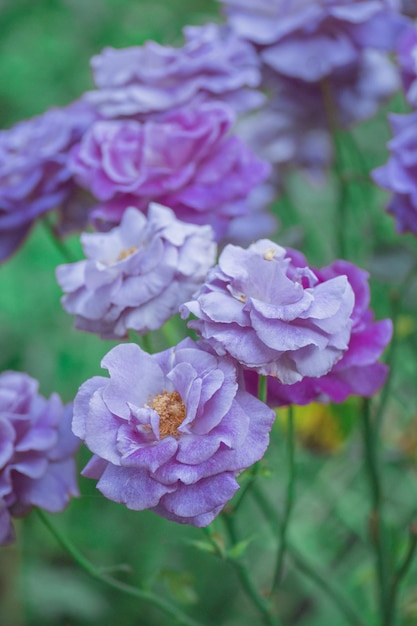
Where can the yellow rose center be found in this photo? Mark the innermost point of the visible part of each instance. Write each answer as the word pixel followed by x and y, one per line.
pixel 172 412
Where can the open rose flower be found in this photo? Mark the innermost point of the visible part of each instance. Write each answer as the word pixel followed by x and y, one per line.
pixel 137 275
pixel 358 372
pixel 170 431
pixel 37 446
pixel 185 159
pixel 34 173
pixel 273 317
pixel 143 80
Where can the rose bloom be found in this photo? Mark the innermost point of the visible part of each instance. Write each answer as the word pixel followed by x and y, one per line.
pixel 272 316
pixel 136 275
pixel 399 174
pixel 171 431
pixel 34 176
pixel 37 446
pixel 185 159
pixel 143 80
pixel 358 372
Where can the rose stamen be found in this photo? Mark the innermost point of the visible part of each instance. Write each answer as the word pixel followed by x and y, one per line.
pixel 172 412
pixel 126 253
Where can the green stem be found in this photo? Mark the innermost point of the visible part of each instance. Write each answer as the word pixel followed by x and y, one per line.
pixel 95 573
pixel 342 202
pixel 257 599
pixel 400 574
pixel 263 388
pixel 310 571
pixel 289 504
pixel 61 247
pixel 376 529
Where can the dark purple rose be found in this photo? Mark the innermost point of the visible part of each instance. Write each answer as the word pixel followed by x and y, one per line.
pixel 272 316
pixel 185 160
pixel 358 372
pixel 34 176
pixel 213 64
pixel 170 431
pixel 399 174
pixel 36 451
pixel 137 275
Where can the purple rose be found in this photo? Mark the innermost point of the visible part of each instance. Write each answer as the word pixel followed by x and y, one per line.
pixel 311 39
pixel 272 316
pixel 407 59
pixel 213 64
pixel 358 372
pixel 293 128
pixel 36 451
pixel 185 159
pixel 34 176
pixel 170 431
pixel 399 174
pixel 137 275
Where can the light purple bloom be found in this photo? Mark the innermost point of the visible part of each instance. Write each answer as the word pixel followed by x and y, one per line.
pixel 293 128
pixel 34 176
pixel 36 451
pixel 170 431
pixel 272 316
pixel 399 174
pixel 358 372
pixel 142 80
pixel 137 275
pixel 407 59
pixel 185 159
pixel 310 39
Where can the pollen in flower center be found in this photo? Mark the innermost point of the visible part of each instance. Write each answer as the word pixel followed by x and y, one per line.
pixel 172 412
pixel 126 253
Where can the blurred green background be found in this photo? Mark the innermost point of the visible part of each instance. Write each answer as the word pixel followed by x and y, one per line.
pixel 45 47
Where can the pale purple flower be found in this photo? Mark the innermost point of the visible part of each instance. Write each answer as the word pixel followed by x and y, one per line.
pixel 311 39
pixel 170 431
pixel 358 372
pixel 34 174
pixel 37 446
pixel 399 174
pixel 136 275
pixel 272 316
pixel 143 80
pixel 294 128
pixel 185 159
pixel 407 59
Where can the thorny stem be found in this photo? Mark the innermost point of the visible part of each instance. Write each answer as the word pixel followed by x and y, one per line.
pixel 95 573
pixel 309 570
pixel 376 529
pixel 289 504
pixel 263 605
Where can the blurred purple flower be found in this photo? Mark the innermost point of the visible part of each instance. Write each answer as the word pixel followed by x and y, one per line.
pixel 137 275
pixel 399 174
pixel 308 39
pixel 213 64
pixel 294 129
pixel 34 177
pixel 170 431
pixel 272 316
pixel 358 371
pixel 185 159
pixel 407 59
pixel 36 451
